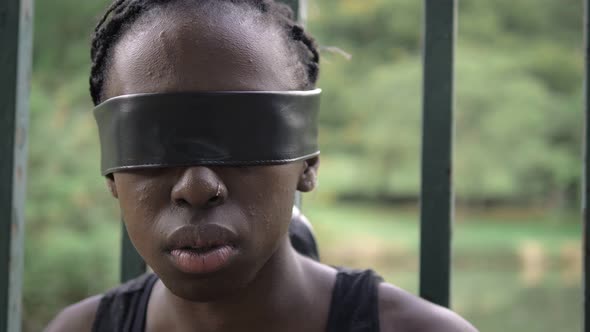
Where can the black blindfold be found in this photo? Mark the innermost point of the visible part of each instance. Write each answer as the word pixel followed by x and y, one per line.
pixel 242 128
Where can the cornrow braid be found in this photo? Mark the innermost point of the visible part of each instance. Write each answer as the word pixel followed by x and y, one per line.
pixel 121 14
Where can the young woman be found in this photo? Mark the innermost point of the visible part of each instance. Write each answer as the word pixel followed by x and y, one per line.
pixel 206 199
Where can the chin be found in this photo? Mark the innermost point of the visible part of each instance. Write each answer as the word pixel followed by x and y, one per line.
pixel 204 290
pixel 209 287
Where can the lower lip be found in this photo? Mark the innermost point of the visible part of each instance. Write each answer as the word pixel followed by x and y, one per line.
pixel 190 261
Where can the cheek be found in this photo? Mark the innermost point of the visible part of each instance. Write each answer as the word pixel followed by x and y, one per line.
pixel 268 196
pixel 140 199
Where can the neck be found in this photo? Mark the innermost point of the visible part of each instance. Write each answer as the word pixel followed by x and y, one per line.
pixel 259 306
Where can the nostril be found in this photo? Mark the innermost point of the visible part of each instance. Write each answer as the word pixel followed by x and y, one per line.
pixel 216 200
pixel 181 202
pixel 196 190
pixel 219 196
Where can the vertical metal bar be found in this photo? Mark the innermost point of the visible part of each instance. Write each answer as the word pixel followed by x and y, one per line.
pixel 16 20
pixel 437 139
pixel 299 7
pixel 586 192
pixel 132 265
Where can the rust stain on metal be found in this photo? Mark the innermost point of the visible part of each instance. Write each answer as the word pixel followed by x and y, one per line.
pixel 19 173
pixel 17 137
pixel 21 137
pixel 15 224
pixel 27 8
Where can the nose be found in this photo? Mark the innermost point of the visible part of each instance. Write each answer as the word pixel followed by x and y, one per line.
pixel 198 186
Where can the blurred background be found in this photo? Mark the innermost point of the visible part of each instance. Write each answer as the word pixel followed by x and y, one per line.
pixel 517 239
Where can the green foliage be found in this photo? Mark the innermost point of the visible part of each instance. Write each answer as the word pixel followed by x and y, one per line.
pixel 63 266
pixel 506 129
pixel 62 37
pixel 365 25
pixel 71 223
pixel 518 98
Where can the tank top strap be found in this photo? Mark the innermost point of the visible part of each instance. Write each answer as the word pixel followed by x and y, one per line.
pixel 354 306
pixel 124 308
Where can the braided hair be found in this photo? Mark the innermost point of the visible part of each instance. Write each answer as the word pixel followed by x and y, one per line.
pixel 121 14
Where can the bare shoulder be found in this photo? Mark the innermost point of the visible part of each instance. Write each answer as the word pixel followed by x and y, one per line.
pixel 401 311
pixel 78 317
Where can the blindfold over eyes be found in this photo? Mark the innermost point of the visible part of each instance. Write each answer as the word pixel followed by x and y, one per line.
pixel 241 128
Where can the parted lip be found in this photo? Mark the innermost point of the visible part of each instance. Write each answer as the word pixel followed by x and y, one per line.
pixel 200 237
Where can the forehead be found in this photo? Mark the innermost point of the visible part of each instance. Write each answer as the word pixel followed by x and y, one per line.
pixel 206 49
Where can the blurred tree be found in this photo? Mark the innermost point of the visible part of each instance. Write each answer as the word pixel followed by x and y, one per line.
pixel 518 99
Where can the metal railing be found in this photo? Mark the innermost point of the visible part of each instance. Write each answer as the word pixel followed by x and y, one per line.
pixel 16 36
pixel 436 196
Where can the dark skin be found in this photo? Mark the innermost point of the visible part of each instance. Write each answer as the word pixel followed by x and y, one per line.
pixel 268 287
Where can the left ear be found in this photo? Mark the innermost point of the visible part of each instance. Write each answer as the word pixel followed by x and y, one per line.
pixel 112 185
pixel 309 178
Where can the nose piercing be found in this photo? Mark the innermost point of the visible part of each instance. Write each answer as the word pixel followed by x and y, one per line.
pixel 218 193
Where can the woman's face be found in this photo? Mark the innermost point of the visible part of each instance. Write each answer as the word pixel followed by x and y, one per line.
pixel 206 231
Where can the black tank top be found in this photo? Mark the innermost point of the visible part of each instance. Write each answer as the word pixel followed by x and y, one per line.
pixel 354 306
